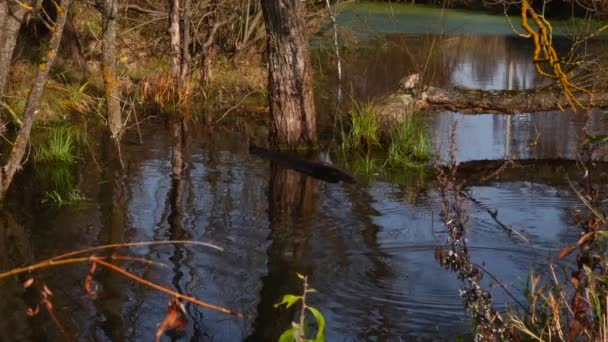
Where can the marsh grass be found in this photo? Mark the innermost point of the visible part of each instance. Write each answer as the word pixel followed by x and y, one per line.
pixel 76 98
pixel 61 146
pixel 366 164
pixel 71 197
pixel 375 148
pixel 410 145
pixel 363 127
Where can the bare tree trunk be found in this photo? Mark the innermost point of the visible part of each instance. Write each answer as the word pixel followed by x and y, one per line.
pixel 11 17
pixel 332 16
pixel 110 80
pixel 186 58
pixel 290 91
pixel 174 35
pixel 21 142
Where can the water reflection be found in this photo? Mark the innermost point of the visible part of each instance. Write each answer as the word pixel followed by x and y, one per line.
pixel 547 135
pixel 368 249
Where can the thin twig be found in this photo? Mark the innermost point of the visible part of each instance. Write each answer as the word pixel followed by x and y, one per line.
pixel 164 289
pixel 235 106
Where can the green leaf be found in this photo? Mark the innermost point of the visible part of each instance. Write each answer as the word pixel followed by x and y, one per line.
pixel 321 322
pixel 300 275
pixel 288 300
pixel 290 335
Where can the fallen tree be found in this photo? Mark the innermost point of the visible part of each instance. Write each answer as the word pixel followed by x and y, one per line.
pixel 412 97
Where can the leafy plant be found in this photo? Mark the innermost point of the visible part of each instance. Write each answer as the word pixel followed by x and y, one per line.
pixel 297 332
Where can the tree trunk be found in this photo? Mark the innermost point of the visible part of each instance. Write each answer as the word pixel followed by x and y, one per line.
pixel 185 58
pixel 11 17
pixel 290 91
pixel 174 35
pixel 110 80
pixel 21 142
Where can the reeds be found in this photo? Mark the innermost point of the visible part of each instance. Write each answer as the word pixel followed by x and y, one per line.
pixel 375 148
pixel 61 147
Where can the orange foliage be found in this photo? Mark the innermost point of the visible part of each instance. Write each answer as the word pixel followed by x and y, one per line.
pixel 545 52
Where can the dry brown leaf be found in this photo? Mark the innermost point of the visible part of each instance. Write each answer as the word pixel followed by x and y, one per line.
pixel 585 238
pixel 175 320
pixel 33 312
pixel 28 283
pixel 566 251
pixel 46 291
pixel 89 284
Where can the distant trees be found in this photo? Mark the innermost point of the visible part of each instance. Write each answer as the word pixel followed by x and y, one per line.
pixel 290 88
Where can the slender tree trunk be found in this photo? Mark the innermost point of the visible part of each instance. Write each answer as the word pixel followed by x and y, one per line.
pixel 175 36
pixel 21 142
pixel 110 80
pixel 186 58
pixel 290 91
pixel 11 17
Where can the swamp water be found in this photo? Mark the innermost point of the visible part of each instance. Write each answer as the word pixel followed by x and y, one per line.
pixel 367 248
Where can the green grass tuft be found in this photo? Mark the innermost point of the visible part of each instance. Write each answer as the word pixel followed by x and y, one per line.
pixel 410 145
pixel 61 147
pixel 364 125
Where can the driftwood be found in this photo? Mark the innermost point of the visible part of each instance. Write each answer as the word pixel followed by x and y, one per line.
pixel 312 168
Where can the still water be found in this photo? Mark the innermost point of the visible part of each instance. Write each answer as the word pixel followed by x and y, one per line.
pixel 368 248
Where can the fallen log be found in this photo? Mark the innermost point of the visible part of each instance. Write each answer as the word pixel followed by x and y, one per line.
pixel 505 101
pixel 312 168
pixel 413 97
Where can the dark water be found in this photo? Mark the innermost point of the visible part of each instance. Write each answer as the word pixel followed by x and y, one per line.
pixel 368 248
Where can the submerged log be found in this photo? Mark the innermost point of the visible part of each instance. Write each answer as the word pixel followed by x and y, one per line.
pixel 544 171
pixel 312 168
pixel 412 97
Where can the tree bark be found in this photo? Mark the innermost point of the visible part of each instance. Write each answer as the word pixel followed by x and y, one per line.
pixel 413 97
pixel 11 17
pixel 505 101
pixel 21 142
pixel 110 80
pixel 174 35
pixel 185 58
pixel 290 91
